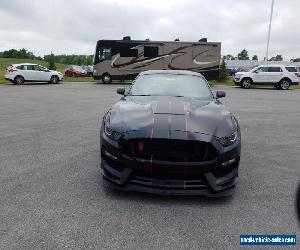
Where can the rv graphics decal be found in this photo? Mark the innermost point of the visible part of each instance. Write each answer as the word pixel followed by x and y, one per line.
pixel 140 61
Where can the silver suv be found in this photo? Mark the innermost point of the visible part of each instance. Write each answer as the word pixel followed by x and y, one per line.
pixel 281 76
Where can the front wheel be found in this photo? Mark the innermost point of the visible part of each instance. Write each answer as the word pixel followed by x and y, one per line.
pixel 284 84
pixel 54 80
pixel 106 78
pixel 246 83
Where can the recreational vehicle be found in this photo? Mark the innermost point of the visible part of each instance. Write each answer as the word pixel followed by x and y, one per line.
pixel 124 59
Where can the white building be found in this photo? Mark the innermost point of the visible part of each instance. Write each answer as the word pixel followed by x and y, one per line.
pixel 249 64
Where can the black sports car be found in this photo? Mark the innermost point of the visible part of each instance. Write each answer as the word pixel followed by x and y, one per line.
pixel 170 135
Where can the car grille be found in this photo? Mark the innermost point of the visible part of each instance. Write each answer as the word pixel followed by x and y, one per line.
pixel 156 179
pixel 171 150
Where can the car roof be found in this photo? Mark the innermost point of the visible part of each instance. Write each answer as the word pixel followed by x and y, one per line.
pixel 18 64
pixel 276 65
pixel 173 72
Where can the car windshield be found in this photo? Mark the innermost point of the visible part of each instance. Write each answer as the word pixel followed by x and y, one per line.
pixel 171 85
pixel 77 67
pixel 255 68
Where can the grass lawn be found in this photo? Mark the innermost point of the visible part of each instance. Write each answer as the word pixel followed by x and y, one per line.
pixel 228 82
pixel 80 79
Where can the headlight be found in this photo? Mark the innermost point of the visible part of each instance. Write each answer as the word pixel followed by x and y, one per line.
pixel 114 135
pixel 238 75
pixel 228 140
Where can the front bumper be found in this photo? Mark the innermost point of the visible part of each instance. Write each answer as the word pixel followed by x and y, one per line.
pixel 237 80
pixel 207 178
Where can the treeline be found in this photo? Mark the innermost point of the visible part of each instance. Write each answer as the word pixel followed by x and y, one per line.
pixel 64 59
pixel 243 55
pixel 71 59
pixel 21 54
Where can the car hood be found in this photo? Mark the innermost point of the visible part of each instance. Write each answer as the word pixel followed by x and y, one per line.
pixel 161 115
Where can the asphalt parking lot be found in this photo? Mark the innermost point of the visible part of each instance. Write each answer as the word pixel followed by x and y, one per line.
pixel 51 191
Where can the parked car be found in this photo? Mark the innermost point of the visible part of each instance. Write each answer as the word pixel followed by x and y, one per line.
pixel 231 71
pixel 170 138
pixel 88 69
pixel 75 71
pixel 28 72
pixel 281 76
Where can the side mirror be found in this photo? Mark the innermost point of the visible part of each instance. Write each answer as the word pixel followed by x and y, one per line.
pixel 121 91
pixel 220 94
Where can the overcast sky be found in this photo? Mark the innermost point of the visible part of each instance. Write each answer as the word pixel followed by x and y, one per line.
pixel 74 26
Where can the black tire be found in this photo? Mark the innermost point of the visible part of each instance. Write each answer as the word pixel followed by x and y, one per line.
pixel 246 83
pixel 54 80
pixel 277 86
pixel 285 84
pixel 106 78
pixel 19 80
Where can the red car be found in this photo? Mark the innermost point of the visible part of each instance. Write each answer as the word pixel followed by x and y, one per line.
pixel 74 71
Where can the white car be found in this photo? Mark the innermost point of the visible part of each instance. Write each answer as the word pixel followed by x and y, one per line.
pixel 281 76
pixel 28 72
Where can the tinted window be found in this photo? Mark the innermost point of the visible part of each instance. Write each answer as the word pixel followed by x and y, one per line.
pixel 21 67
pixel 275 69
pixel 150 51
pixel 129 53
pixel 262 69
pixel 30 67
pixel 39 68
pixel 291 69
pixel 171 85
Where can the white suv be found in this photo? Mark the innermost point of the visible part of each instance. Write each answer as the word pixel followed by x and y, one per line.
pixel 28 72
pixel 281 76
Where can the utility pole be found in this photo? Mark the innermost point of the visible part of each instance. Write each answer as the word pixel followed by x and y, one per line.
pixel 269 33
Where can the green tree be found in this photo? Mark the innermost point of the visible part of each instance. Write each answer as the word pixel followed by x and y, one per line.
pixel 255 57
pixel 228 57
pixel 22 54
pixel 51 61
pixel 243 55
pixel 223 74
pixel 276 58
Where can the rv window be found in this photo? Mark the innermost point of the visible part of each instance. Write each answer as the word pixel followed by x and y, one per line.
pixel 150 51
pixel 129 53
pixel 105 54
